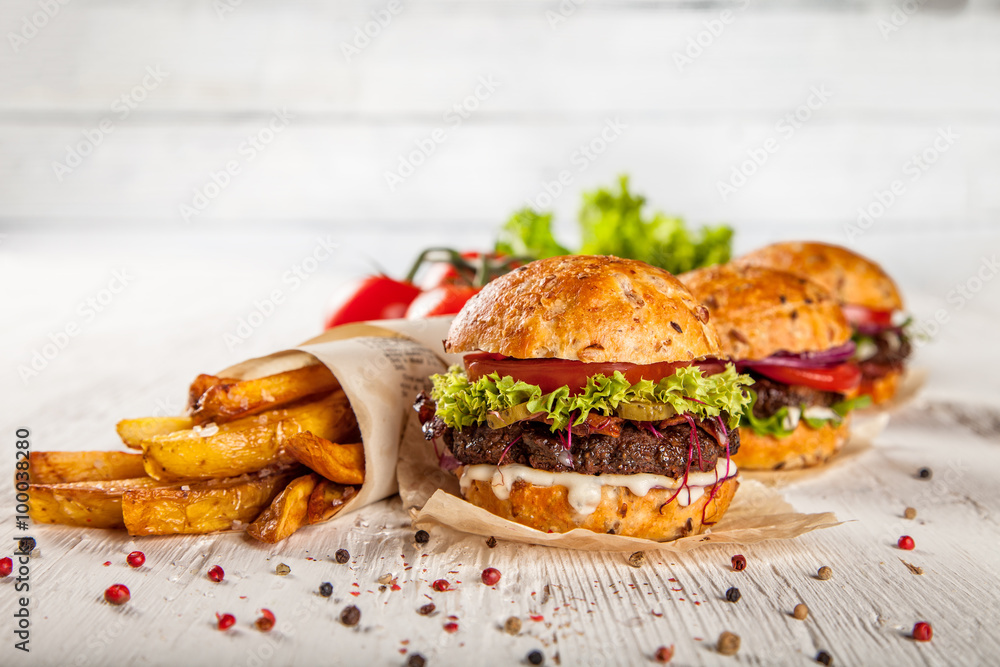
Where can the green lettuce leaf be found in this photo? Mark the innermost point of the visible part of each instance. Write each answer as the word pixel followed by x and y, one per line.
pixel 777 424
pixel 613 224
pixel 528 233
pixel 461 403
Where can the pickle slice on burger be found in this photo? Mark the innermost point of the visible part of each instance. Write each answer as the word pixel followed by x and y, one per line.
pixel 591 396
pixel 870 300
pixel 790 335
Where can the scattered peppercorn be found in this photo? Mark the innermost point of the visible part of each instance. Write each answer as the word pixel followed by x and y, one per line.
pixel 136 559
pixel 350 616
pixel 282 570
pixel 664 654
pixel 326 589
pixel 512 626
pixel 801 612
pixel 225 621
pixel 416 660
pixel 906 542
pixel 491 576
pixel 637 559
pixel 536 657
pixel 910 513
pixel 451 627
pixel 26 545
pixel 925 473
pixel 739 563
pixel 6 567
pixel 342 556
pixel 733 594
pixel 385 579
pixel 422 537
pixel 216 574
pixel 440 585
pixel 117 594
pixel 824 573
pixel 922 632
pixel 491 542
pixel 427 609
pixel 728 644
pixel 266 620
pixel 824 658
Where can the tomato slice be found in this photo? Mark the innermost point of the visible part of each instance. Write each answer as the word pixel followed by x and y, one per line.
pixel 371 298
pixel 550 374
pixel 840 378
pixel 445 300
pixel 864 315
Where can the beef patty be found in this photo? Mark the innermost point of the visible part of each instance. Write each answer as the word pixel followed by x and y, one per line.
pixel 892 348
pixel 773 395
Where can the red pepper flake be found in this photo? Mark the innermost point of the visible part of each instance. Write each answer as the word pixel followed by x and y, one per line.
pixel 657 614
pixel 356 585
pixel 451 627
pixel 440 585
pixel 677 590
pixel 672 579
pixel 355 593
pixel 453 618
pixel 107 563
pixel 395 586
pixel 402 651
pixel 697 603
pixel 536 617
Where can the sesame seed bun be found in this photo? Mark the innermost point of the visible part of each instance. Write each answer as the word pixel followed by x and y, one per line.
pixel 586 308
pixel 759 311
pixel 802 448
pixel 849 277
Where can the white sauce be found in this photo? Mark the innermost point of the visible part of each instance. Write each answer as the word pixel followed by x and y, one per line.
pixel 791 420
pixel 584 491
pixel 818 412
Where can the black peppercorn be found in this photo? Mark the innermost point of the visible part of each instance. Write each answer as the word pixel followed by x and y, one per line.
pixel 536 657
pixel 342 556
pixel 326 589
pixel 416 660
pixel 925 473
pixel 427 609
pixel 350 616
pixel 824 658
pixel 422 537
pixel 26 545
pixel 733 594
pixel 491 542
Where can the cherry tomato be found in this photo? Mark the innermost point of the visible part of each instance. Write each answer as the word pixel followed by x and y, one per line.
pixel 550 374
pixel 840 378
pixel 371 298
pixel 440 274
pixel 444 300
pixel 865 315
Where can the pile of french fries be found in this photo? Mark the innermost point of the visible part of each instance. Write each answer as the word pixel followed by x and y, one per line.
pixel 269 455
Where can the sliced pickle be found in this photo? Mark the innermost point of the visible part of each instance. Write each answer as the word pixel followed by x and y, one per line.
pixel 507 417
pixel 645 412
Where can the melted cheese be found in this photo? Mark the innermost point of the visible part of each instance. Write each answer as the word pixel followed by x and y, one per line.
pixel 584 491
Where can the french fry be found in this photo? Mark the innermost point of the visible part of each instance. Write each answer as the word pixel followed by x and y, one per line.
pixel 83 504
pixel 344 464
pixel 201 384
pixel 327 499
pixel 63 467
pixel 134 431
pixel 229 400
pixel 205 507
pixel 247 444
pixel 286 513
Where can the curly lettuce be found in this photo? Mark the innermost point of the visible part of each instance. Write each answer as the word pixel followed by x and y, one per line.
pixel 784 421
pixel 461 403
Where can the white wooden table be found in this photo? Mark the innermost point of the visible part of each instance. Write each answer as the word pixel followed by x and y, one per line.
pixel 138 355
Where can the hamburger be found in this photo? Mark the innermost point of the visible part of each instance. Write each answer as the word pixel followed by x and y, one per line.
pixel 591 396
pixel 869 298
pixel 791 337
